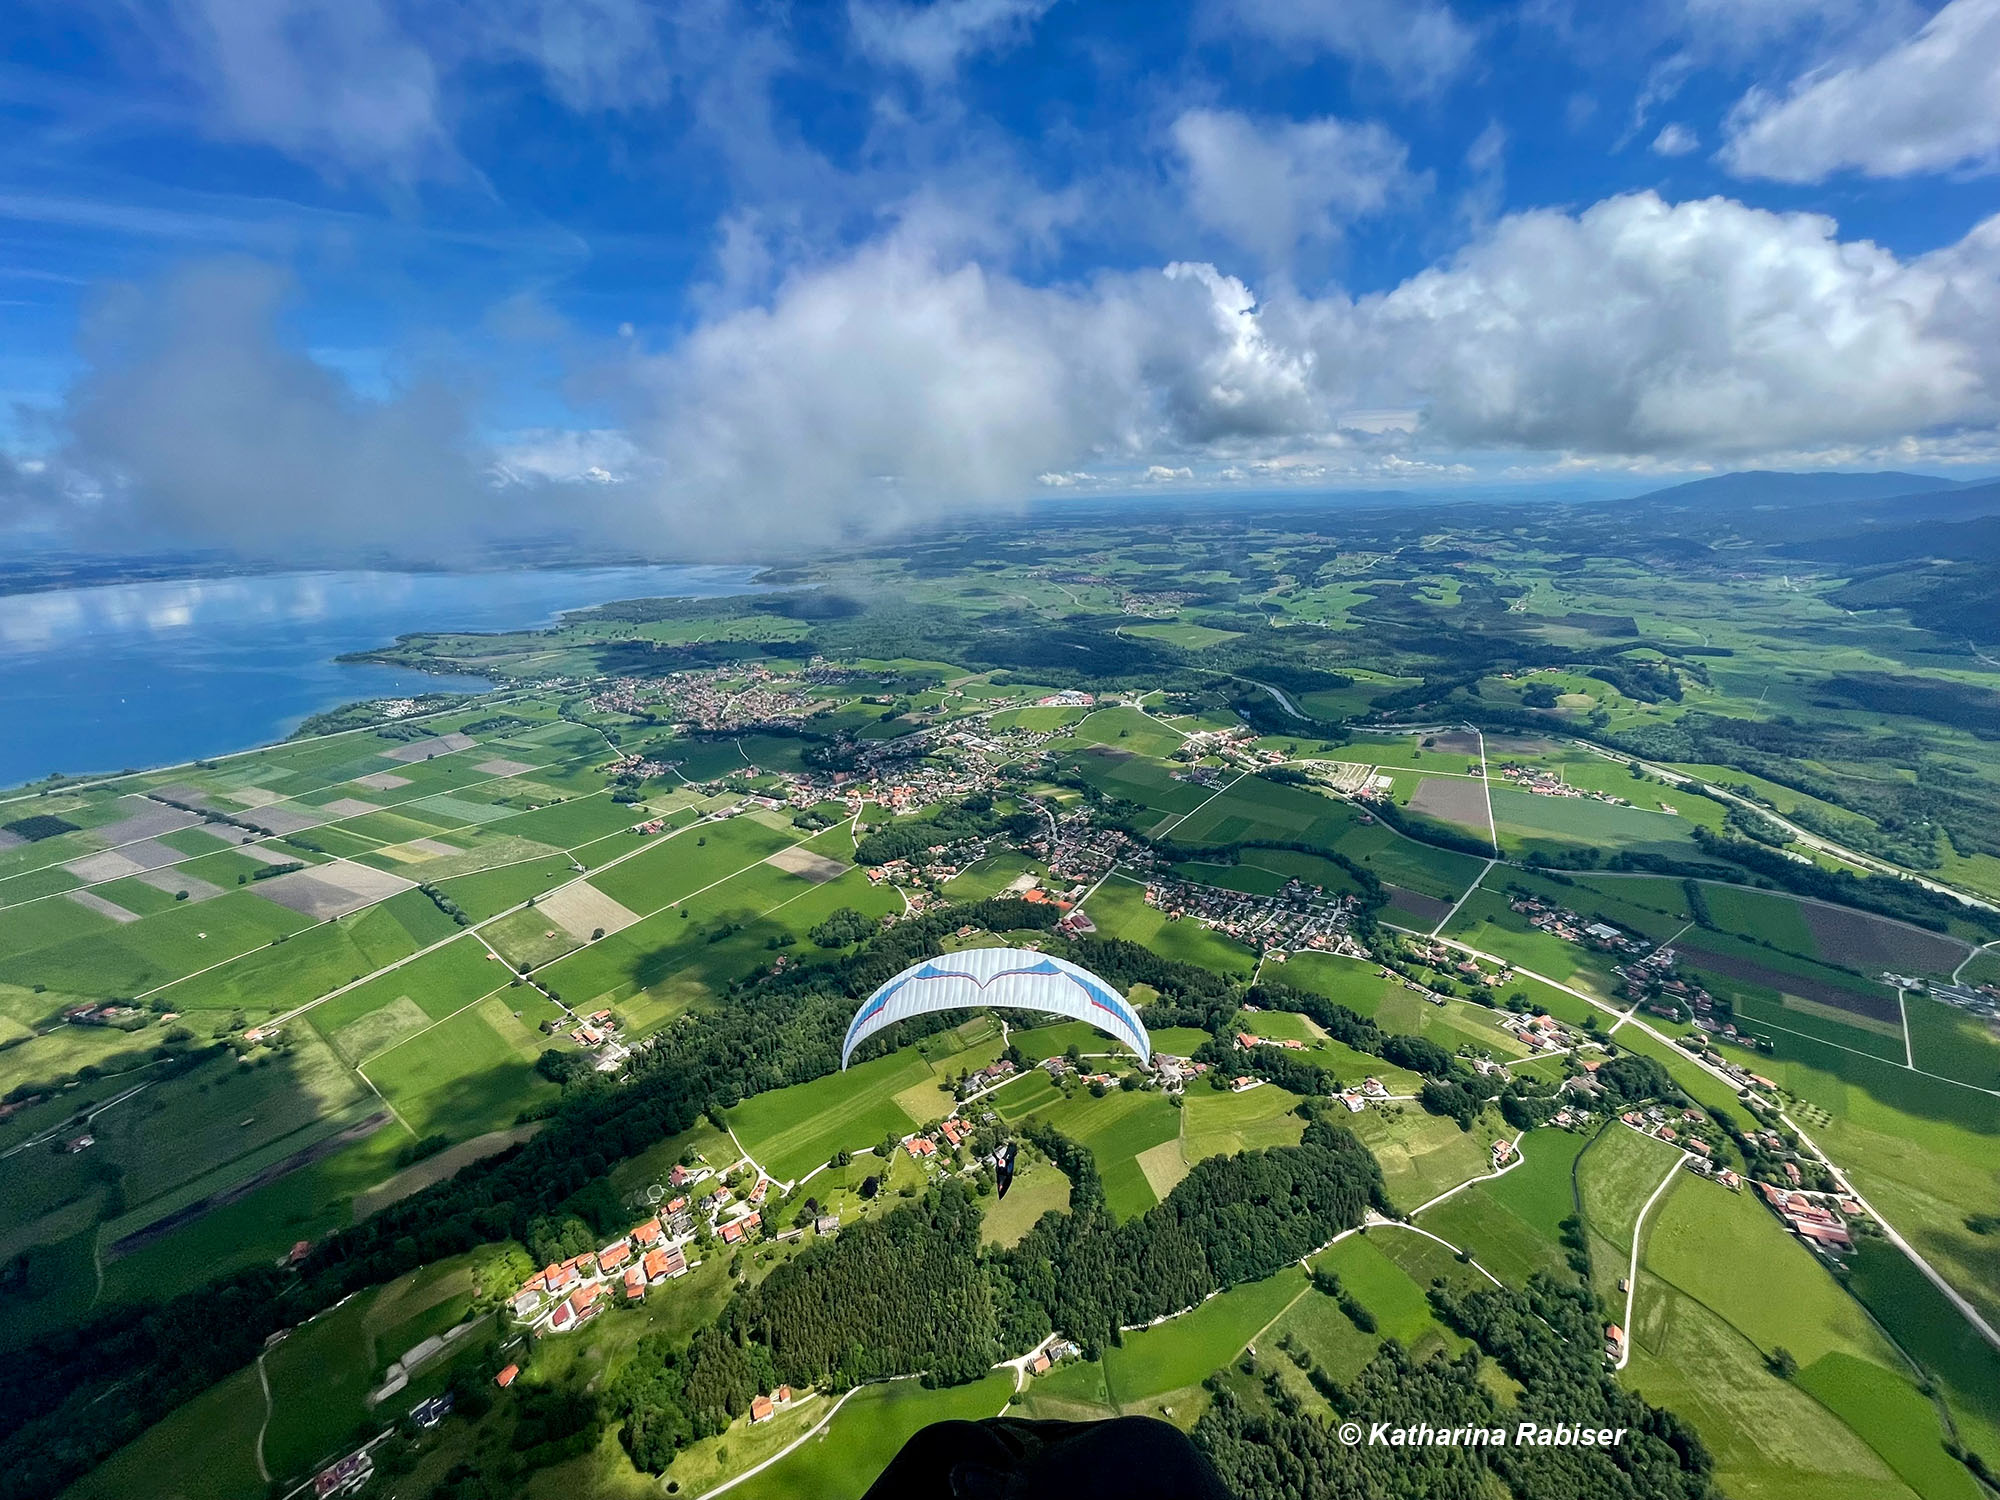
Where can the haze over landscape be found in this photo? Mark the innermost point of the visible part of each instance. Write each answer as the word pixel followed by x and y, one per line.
pixel 1233 748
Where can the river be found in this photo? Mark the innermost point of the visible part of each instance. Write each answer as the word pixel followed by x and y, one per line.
pixel 146 674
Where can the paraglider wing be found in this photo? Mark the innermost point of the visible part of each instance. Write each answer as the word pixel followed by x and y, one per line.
pixel 1004 1172
pixel 1015 978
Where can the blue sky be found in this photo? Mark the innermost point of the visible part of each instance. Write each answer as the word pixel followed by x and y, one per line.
pixel 312 275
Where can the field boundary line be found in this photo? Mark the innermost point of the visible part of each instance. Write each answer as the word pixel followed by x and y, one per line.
pixel 1519 1157
pixel 1164 830
pixel 1464 895
pixel 1638 1232
pixel 1486 785
pixel 264 1426
pixel 1470 1259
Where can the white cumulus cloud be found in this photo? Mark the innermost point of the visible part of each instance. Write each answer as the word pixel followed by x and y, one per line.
pixel 1675 139
pixel 1420 44
pixel 932 38
pixel 1270 185
pixel 1929 103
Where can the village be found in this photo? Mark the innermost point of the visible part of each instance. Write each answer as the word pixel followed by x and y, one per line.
pixel 1299 917
pixel 1544 782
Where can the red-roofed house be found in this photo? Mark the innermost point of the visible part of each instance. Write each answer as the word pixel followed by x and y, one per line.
pixel 635 1285
pixel 760 1408
pixel 655 1265
pixel 613 1256
pixel 506 1377
pixel 920 1146
pixel 647 1234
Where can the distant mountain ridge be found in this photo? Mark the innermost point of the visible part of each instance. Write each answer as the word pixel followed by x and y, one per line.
pixel 1752 488
pixel 1920 536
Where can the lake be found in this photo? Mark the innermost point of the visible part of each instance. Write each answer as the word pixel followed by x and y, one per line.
pixel 149 674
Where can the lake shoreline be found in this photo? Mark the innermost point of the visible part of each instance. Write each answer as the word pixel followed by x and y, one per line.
pixel 154 675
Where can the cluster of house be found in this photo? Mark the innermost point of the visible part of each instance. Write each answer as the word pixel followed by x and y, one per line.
pixel 1735 1072
pixel 1054 1354
pixel 1081 851
pixel 1687 1129
pixel 1176 1073
pixel 948 1136
pixel 1060 1067
pixel 1661 991
pixel 1546 783
pixel 1067 698
pixel 1218 742
pixel 1808 1216
pixel 1570 927
pixel 1246 1040
pixel 110 1013
pixel 1300 916
pixel 569 1293
pixel 596 1033
pixel 1540 1033
pixel 986 1078
pixel 1450 960
pixel 1356 1099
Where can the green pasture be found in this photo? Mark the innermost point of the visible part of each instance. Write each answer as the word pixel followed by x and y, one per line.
pixel 990 876
pixel 1769 1437
pixel 679 865
pixel 1370 1272
pixel 1423 1154
pixel 487 893
pixel 1189 637
pixel 464 1076
pixel 1039 1187
pixel 1118 1130
pixel 154 951
pixel 790 1131
pixel 1950 1042
pixel 1615 1175
pixel 1221 1123
pixel 1126 729
pixel 1933 1333
pixel 1511 1223
pixel 1120 773
pixel 1119 908
pixel 303 967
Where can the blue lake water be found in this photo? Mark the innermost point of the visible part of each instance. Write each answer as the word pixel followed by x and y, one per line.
pixel 148 674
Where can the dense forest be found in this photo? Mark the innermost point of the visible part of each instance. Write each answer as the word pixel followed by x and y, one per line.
pixel 1548 1338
